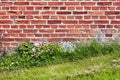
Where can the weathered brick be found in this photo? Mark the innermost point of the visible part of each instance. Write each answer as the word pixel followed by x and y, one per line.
pixel 104 3
pixel 85 22
pixel 6 3
pixel 55 3
pixel 6 22
pixel 64 13
pixel 112 13
pixel 2 12
pixel 88 3
pixel 70 22
pixel 101 22
pixel 38 3
pixel 79 12
pixel 54 21
pixel 38 22
pixel 21 3
pixel 22 22
pixel 115 22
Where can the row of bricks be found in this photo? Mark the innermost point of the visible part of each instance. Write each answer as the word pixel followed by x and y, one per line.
pixel 59 22
pixel 66 35
pixel 85 17
pixel 75 26
pixel 90 3
pixel 75 36
pixel 42 31
pixel 59 12
pixel 57 8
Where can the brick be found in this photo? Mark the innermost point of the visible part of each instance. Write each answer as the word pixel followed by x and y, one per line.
pixel 54 39
pixel 79 8
pixel 5 3
pixel 22 26
pixel 14 13
pixel 69 39
pixel 63 8
pixel 21 3
pixel 87 8
pixel 117 26
pixel 30 8
pixel 88 3
pixel 71 8
pixel 22 35
pixel 14 26
pixel 22 39
pixel 38 17
pixel 14 35
pixel 2 12
pixel 48 12
pixel 38 3
pixel 22 22
pixel 62 17
pixel 14 31
pixel 14 17
pixel 30 26
pixel 118 8
pixel 101 22
pixel 14 44
pixel 115 22
pixel 38 35
pixel 112 13
pixel 6 35
pixel 29 17
pixel 6 26
pixel 46 35
pixel 64 13
pixel 111 17
pixel 101 26
pixel 70 22
pixel 29 31
pixel 108 35
pixel 38 8
pixel 13 8
pixel 55 8
pixel 8 39
pixel 85 22
pixel 38 22
pixel 97 13
pixel 4 17
pixel 61 30
pixel 30 35
pixel 78 17
pixel 79 12
pixel 46 31
pixel 46 8
pixel 54 21
pixel 45 17
pixel 22 8
pixel 21 17
pixel 31 12
pixel 72 3
pixel 53 35
pixel 104 3
pixel 55 3
pixel 116 3
pixel 6 22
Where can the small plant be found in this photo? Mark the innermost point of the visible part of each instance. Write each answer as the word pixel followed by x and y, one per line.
pixel 25 48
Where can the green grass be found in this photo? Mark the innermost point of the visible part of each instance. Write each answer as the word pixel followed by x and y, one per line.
pixel 94 68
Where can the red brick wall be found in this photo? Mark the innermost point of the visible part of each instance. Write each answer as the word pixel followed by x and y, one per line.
pixel 58 20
